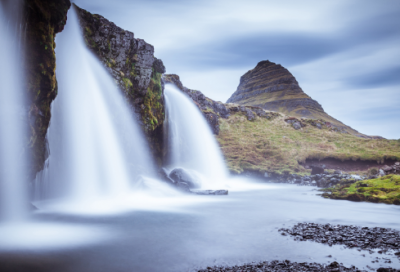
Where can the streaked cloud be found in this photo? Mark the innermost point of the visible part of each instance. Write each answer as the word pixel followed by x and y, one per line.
pixel 345 54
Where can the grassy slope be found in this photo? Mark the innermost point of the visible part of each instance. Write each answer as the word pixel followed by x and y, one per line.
pixel 275 146
pixel 382 190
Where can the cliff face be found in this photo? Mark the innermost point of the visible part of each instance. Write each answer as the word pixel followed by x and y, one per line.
pixel 272 87
pixel 43 20
pixel 132 64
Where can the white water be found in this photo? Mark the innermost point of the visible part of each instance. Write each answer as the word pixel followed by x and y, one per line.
pixel 96 148
pixel 13 156
pixel 191 144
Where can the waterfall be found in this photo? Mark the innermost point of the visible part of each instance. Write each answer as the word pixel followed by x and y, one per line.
pixel 190 142
pixel 96 147
pixel 13 156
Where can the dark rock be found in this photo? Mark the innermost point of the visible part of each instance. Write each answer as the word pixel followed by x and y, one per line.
pixel 296 125
pixel 209 192
pixel 42 20
pixel 181 176
pixel 317 170
pixel 282 266
pixel 159 66
pixel 363 238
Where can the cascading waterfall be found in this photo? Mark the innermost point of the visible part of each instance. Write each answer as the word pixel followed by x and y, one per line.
pixel 96 147
pixel 13 154
pixel 190 142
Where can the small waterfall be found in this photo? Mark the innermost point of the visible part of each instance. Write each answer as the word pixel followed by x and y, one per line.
pixel 190 142
pixel 13 156
pixel 96 148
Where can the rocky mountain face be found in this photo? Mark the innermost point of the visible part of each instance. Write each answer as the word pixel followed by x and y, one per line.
pixel 272 87
pixel 132 64
pixel 43 20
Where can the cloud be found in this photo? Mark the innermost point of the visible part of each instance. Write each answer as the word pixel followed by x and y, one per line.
pixel 380 78
pixel 344 54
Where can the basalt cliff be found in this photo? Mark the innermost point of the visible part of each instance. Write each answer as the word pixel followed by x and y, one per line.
pixel 272 87
pixel 43 20
pixel 132 64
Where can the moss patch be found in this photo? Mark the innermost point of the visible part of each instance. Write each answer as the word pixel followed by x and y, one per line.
pixel 153 109
pixel 44 19
pixel 381 190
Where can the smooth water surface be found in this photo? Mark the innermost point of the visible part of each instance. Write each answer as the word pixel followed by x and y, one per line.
pixel 199 231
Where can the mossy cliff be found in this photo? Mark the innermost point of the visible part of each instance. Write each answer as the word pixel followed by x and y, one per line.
pixel 272 87
pixel 43 20
pixel 132 64
pixel 254 139
pixel 385 189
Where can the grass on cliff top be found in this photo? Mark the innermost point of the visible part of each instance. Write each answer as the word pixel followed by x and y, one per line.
pixel 381 190
pixel 275 146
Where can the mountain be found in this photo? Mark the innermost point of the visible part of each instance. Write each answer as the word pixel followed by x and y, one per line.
pixel 272 87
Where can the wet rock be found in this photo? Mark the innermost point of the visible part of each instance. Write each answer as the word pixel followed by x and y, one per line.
pixel 364 238
pixel 209 192
pixel 278 266
pixel 181 177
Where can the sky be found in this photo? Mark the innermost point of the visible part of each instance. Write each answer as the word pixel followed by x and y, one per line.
pixel 344 53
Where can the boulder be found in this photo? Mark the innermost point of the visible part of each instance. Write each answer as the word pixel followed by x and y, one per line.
pixel 181 176
pixel 296 125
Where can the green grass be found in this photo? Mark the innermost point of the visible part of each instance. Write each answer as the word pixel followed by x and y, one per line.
pixel 381 190
pixel 275 146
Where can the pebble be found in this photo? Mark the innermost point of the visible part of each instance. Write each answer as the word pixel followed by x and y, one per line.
pixel 275 266
pixel 364 238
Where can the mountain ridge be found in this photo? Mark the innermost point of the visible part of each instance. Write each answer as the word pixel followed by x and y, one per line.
pixel 272 87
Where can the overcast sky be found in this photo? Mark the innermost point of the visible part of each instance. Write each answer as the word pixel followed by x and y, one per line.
pixel 344 53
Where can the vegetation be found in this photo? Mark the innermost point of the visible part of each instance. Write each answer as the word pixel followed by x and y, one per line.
pixel 273 145
pixel 381 190
pixel 153 109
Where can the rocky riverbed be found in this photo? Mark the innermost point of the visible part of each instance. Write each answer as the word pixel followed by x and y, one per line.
pixel 384 239
pixel 289 266
pixel 324 180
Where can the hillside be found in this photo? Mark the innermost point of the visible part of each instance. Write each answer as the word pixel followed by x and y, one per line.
pixel 255 139
pixel 272 87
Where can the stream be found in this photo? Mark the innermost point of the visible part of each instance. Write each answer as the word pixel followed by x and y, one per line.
pixel 187 233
